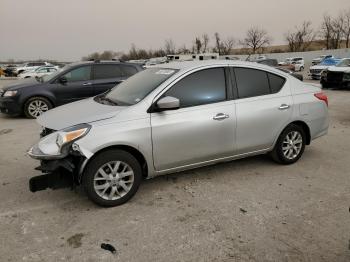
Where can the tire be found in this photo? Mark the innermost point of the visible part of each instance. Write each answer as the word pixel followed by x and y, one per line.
pixel 281 154
pixel 324 85
pixel 107 192
pixel 35 106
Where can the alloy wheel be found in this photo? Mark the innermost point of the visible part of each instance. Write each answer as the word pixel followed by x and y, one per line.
pixel 37 107
pixel 292 145
pixel 113 180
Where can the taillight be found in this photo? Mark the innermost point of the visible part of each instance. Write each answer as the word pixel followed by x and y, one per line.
pixel 322 96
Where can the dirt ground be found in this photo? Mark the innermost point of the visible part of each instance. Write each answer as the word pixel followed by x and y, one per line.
pixel 245 210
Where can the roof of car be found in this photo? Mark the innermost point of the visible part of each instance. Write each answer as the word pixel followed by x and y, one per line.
pixel 101 61
pixel 188 65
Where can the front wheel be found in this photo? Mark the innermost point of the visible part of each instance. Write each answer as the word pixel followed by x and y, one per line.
pixel 290 145
pixel 35 106
pixel 112 178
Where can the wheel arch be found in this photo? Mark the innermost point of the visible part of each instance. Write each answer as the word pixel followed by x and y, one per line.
pixel 303 125
pixel 25 100
pixel 127 148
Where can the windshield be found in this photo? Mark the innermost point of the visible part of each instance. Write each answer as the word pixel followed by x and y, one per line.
pixel 344 63
pixel 137 87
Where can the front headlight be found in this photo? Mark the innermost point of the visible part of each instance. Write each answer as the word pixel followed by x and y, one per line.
pixel 69 135
pixel 10 93
pixel 323 72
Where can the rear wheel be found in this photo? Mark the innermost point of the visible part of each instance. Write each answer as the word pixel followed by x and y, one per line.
pixel 35 106
pixel 290 145
pixel 112 178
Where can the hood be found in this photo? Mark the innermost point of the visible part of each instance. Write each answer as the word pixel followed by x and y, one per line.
pixel 83 111
pixel 344 69
pixel 22 83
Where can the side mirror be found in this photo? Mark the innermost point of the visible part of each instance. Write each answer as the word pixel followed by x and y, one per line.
pixel 168 103
pixel 62 80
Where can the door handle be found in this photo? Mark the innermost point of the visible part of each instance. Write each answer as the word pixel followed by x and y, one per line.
pixel 283 107
pixel 221 116
pixel 87 84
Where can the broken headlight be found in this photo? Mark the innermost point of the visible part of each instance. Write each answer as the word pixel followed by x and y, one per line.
pixel 68 135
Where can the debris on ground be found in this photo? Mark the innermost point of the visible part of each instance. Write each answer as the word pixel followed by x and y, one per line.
pixel 243 210
pixel 109 247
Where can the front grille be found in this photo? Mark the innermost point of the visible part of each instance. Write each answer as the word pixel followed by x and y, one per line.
pixel 335 77
pixel 315 71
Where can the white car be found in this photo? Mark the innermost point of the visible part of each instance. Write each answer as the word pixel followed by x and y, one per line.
pixel 288 61
pixel 30 66
pixel 299 63
pixel 38 72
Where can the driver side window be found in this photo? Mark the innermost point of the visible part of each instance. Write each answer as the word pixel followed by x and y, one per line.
pixel 79 74
pixel 202 87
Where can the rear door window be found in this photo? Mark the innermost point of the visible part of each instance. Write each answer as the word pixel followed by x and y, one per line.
pixel 251 82
pixel 276 82
pixel 128 70
pixel 107 71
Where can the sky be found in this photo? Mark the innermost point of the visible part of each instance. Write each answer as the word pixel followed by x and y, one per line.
pixel 67 30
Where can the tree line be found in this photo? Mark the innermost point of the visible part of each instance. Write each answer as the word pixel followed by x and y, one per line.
pixel 331 34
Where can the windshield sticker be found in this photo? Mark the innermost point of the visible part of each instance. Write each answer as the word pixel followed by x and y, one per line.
pixel 165 72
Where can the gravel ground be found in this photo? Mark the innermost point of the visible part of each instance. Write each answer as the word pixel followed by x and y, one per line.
pixel 245 210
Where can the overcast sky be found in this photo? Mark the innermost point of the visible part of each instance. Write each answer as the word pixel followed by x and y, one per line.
pixel 66 30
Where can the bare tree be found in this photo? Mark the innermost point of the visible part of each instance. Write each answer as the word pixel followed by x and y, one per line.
pixel 227 45
pixel 205 42
pixel 338 31
pixel 218 44
pixel 198 45
pixel 169 46
pixel 327 30
pixel 301 38
pixel 183 50
pixel 346 29
pixel 256 38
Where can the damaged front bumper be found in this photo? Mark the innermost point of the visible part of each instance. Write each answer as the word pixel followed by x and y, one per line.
pixel 61 166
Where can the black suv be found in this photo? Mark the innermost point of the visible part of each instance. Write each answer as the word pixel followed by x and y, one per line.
pixel 74 82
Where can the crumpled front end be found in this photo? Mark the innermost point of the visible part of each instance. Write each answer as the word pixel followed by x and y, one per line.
pixel 61 160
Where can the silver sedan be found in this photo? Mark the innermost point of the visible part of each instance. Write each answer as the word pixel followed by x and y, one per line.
pixel 175 117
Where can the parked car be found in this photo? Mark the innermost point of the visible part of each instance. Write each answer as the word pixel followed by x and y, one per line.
pixel 319 59
pixel 287 61
pixel 73 82
pixel 293 64
pixel 292 73
pixel 9 70
pixel 39 72
pixel 299 63
pixel 174 117
pixel 315 70
pixel 337 76
pixel 29 66
pixel 274 63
